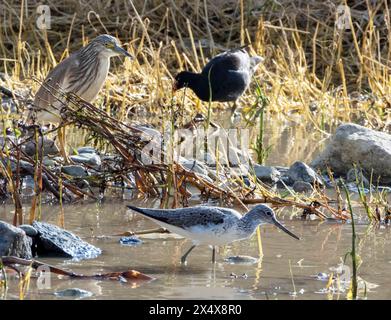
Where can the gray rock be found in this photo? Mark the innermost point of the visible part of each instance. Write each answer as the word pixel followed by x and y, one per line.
pixel 301 186
pixel 237 156
pixel 240 170
pixel 53 240
pixel 14 242
pixel 354 144
pixel 30 230
pixel 281 169
pixel 49 147
pixel 195 166
pixel 48 162
pixel 74 171
pixel 91 159
pixel 351 177
pixel 82 183
pixel 130 241
pixel 74 293
pixel 299 171
pixel 86 150
pixel 28 186
pixel 212 176
pixel 266 173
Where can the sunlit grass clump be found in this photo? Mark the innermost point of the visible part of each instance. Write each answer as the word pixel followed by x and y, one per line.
pixel 322 66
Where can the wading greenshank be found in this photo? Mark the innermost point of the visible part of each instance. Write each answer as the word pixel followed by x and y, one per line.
pixel 213 226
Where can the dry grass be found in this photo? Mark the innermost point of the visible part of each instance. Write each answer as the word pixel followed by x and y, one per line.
pixel 313 70
pixel 315 74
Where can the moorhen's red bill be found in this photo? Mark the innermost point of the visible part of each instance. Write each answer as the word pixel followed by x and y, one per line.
pixel 228 73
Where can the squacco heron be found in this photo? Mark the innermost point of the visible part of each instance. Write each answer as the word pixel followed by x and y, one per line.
pixel 82 73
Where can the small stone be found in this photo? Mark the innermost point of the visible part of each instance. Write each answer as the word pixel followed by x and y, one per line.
pixel 30 230
pixel 48 162
pixel 82 183
pixel 74 293
pixel 281 169
pixel 351 177
pixel 195 166
pixel 49 147
pixel 267 174
pixel 301 186
pixel 14 242
pixel 74 171
pixel 236 156
pixel 246 181
pixel 241 260
pixel 91 159
pixel 28 186
pixel 87 150
pixel 130 241
pixel 299 171
pixel 322 276
pixel 240 170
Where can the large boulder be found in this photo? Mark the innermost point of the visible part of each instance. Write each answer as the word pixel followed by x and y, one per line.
pixel 355 144
pixel 14 242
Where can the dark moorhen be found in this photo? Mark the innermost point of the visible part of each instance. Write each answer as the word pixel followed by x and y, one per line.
pixel 229 74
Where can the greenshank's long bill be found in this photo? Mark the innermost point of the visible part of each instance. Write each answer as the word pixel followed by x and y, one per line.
pixel 212 225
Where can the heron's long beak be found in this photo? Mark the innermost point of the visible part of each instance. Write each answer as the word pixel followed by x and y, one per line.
pixel 279 225
pixel 122 52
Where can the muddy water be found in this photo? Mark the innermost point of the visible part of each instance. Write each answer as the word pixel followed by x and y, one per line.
pixel 287 266
pixel 289 269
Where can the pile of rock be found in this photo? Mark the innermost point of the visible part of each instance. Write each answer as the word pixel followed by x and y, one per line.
pixel 353 154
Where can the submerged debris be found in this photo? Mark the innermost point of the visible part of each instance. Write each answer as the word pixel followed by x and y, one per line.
pixel 74 293
pixel 241 260
pixel 130 241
